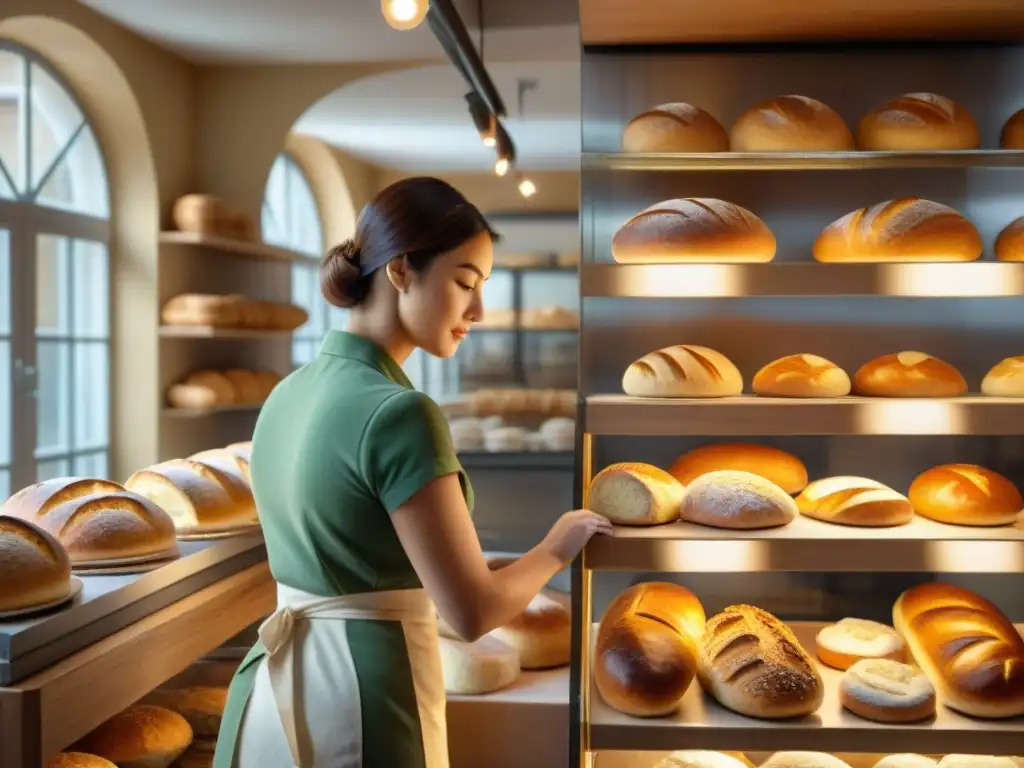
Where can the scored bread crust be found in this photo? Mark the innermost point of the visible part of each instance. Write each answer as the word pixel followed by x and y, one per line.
pixel 968 649
pixel 35 569
pixel 753 664
pixel 1005 379
pixel 737 500
pixel 905 229
pixel 685 370
pixel 908 374
pixel 918 122
pixel 790 123
pixel 801 375
pixel 782 468
pixel 856 501
pixel 965 494
pixel 633 493
pixel 694 229
pixel 676 127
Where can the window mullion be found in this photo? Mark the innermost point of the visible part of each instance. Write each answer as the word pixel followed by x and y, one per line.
pixel 27 127
pixel 34 192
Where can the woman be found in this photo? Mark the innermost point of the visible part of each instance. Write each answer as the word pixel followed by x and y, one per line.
pixel 365 509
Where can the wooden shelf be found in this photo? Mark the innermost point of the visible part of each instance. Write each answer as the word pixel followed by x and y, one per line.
pixel 212 332
pixel 203 413
pixel 250 250
pixel 652 281
pixel 751 416
pixel 808 545
pixel 701 723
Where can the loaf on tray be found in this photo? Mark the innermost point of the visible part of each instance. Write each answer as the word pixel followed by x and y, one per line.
pixel 918 122
pixel 790 124
pixel 96 521
pixel 35 569
pixel 684 370
pixel 676 127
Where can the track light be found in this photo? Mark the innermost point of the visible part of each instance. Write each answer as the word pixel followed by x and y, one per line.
pixel 506 151
pixel 404 14
pixel 501 166
pixel 527 187
pixel 484 120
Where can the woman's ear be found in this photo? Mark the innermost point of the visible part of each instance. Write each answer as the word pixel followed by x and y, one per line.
pixel 399 273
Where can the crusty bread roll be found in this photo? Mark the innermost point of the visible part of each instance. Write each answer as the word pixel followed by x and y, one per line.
pixel 142 736
pixel 906 760
pixel 803 760
pixel 1012 135
pixel 202 706
pixel 738 500
pixel 78 760
pixel 541 634
pixel 200 498
pixel 782 468
pixel 483 666
pixel 790 124
pixel 843 644
pixel 699 758
pixel 693 229
pixel 646 652
pixel 918 122
pixel 856 501
pixel 96 521
pixel 684 370
pixel 1005 379
pixel 632 493
pixel 753 664
pixel 965 494
pixel 674 127
pixel 34 568
pixel 887 691
pixel 1009 244
pixel 905 229
pixel 969 650
pixel 801 376
pixel 908 374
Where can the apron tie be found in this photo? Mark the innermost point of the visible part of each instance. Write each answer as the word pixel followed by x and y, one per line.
pixel 277 630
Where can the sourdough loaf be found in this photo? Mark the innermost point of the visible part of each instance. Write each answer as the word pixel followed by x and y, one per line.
pixel 738 500
pixel 674 127
pixel 918 122
pixel 540 634
pixel 790 124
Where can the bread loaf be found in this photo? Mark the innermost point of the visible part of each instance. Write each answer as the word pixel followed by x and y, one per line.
pixel 773 464
pixel 232 311
pixel 737 500
pixel 225 461
pixel 202 706
pixel 34 568
pixel 1005 379
pixel 472 669
pixel 1009 244
pixel 78 760
pixel 674 128
pixel 753 664
pixel 801 376
pixel 698 758
pixel 790 124
pixel 908 374
pixel 646 653
pixel 631 493
pixel 887 691
pixel 559 434
pixel 540 634
pixel 1012 135
pixel 803 760
pixel 200 498
pixel 965 494
pixel 243 453
pixel 906 761
pixel 969 650
pixel 142 736
pixel 96 521
pixel 843 644
pixel 907 229
pixel 683 371
pixel 918 122
pixel 855 501
pixel 979 761
pixel 693 230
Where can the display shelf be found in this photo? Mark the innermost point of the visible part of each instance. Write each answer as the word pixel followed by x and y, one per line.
pixel 810 545
pixel 213 332
pixel 701 723
pixel 751 415
pixel 250 250
pixel 534 460
pixel 800 161
pixel 202 413
pixel 652 281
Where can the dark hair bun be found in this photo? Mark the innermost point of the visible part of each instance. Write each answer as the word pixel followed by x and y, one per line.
pixel 340 281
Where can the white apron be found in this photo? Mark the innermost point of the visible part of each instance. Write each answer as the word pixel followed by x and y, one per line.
pixel 304 710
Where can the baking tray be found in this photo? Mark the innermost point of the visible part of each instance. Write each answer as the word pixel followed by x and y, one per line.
pixel 108 604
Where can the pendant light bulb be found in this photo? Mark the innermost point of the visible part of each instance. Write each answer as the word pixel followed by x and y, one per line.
pixel 501 167
pixel 404 14
pixel 527 188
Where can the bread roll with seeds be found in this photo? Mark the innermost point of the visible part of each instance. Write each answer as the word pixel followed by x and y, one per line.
pixel 685 370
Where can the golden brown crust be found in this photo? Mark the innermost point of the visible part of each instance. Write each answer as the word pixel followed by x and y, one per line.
pixel 856 501
pixel 908 374
pixel 139 731
pixel 78 760
pixel 1009 244
pixel 801 375
pixel 773 464
pixel 918 122
pixel 790 124
pixel 1012 135
pixel 674 127
pixel 684 370
pixel 1005 379
pixel 541 634
pixel 965 494
pixel 632 493
pixel 201 706
pixel 34 568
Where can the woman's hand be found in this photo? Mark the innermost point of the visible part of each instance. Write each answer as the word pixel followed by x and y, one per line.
pixel 570 534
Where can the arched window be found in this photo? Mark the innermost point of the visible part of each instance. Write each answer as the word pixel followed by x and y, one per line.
pixel 54 280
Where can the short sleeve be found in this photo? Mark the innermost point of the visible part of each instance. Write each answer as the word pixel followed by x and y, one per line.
pixel 408 444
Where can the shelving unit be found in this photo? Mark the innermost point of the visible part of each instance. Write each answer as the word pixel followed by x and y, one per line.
pixel 967 314
pixel 247 249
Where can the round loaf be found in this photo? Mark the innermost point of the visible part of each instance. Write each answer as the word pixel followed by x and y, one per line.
pixel 908 374
pixel 683 371
pixel 646 653
pixel 96 521
pixel 142 735
pixel 773 464
pixel 736 500
pixel 918 122
pixel 674 128
pixel 540 634
pixel 856 501
pixel 887 691
pixel 699 758
pixel 202 706
pixel 790 124
pixel 691 230
pixel 632 493
pixel 203 389
pixel 803 760
pixel 34 568
pixel 248 387
pixel 965 494
pixel 483 666
pixel 907 229
pixel 843 644
pixel 205 214
pixel 906 760
pixel 801 376
pixel 78 760
pixel 1012 135
pixel 559 434
pixel 1010 241
pixel 1006 379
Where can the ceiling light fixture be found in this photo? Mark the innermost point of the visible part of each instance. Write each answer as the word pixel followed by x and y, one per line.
pixel 404 14
pixel 484 120
pixel 526 187
pixel 505 149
